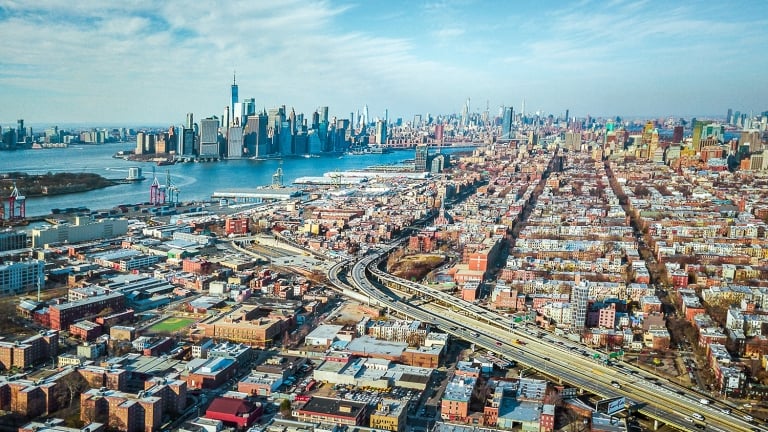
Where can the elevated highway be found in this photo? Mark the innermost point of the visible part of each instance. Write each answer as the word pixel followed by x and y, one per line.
pixel 556 357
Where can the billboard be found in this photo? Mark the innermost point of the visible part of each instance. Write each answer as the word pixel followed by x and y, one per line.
pixel 611 406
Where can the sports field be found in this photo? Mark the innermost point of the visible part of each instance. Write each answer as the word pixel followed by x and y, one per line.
pixel 170 325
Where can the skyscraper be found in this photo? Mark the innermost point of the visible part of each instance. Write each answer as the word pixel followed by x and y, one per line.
pixel 235 142
pixel 187 141
pixel 234 92
pixel 381 132
pixel 249 109
pixel 420 158
pixel 226 120
pixel 579 303
pixel 465 114
pixel 209 137
pixel 506 123
pixel 255 136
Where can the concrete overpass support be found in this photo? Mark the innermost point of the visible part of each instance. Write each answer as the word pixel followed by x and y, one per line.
pixel 656 424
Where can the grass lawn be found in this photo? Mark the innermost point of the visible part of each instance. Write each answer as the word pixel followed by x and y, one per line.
pixel 170 325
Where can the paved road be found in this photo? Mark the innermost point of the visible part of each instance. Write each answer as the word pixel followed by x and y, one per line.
pixel 555 357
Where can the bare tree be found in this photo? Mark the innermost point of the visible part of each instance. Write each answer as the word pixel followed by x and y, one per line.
pixel 73 384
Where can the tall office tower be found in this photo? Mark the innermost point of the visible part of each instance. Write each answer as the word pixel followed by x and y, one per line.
pixel 237 114
pixel 190 121
pixel 506 123
pixel 728 116
pixel 286 139
pixel 234 92
pixel 172 143
pixel 439 129
pixel 255 136
pixel 300 143
pixel 677 134
pixel 249 107
pixel 365 115
pixel 579 304
pixel 647 131
pixel 21 133
pixel 324 114
pixel 209 137
pixel 752 138
pixel 315 120
pixel 292 121
pixel 566 117
pixel 235 142
pixel 226 121
pixel 381 132
pixel 352 118
pixel 573 141
pixel 420 158
pixel 314 146
pixel 465 114
pixel 386 115
pixel 714 130
pixel 417 120
pixel 276 117
pixel 140 143
pixel 653 144
pixel 698 127
pixel 322 135
pixel 149 143
pixel 187 141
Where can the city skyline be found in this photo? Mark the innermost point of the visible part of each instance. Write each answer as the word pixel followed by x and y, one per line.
pixel 142 63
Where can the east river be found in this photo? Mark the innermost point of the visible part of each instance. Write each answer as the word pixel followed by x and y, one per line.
pixel 195 181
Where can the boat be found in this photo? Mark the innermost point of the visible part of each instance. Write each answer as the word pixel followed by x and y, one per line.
pixel 166 162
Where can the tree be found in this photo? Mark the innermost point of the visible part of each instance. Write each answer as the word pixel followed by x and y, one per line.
pixel 285 408
pixel 72 384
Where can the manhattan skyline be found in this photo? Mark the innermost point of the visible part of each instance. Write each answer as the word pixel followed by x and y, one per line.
pixel 141 62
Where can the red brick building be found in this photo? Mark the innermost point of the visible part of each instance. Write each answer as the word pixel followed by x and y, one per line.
pixel 85 330
pixel 64 314
pixel 236 225
pixel 240 413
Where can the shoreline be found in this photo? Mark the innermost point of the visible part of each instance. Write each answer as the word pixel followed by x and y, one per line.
pixel 45 185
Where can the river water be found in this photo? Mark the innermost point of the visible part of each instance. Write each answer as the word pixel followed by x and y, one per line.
pixel 195 181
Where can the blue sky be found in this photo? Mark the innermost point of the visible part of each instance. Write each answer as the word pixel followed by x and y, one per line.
pixel 152 62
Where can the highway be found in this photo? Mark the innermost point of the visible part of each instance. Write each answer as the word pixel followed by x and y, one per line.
pixel 556 357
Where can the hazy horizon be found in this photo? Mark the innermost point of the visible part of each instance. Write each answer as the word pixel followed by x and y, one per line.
pixel 148 63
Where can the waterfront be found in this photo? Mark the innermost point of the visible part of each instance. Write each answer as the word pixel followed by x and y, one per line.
pixel 195 181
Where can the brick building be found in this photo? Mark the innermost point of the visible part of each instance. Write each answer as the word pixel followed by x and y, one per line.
pixel 25 353
pixel 333 411
pixel 85 330
pixel 122 411
pixel 63 315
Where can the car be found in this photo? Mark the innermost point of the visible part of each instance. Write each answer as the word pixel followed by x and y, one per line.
pixel 748 417
pixel 616 384
pixel 699 426
pixel 704 401
pixel 726 410
pixel 698 416
pixel 547 359
pixel 498 343
pixel 746 405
